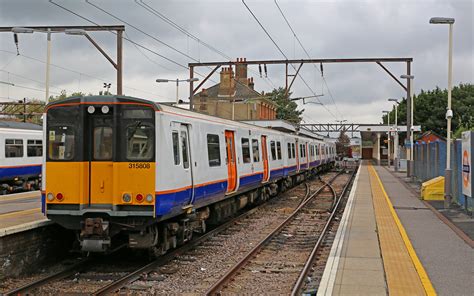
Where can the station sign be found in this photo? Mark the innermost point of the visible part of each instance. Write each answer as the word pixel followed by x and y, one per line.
pixel 467 149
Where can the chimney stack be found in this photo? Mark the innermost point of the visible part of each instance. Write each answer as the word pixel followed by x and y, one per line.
pixel 250 83
pixel 227 84
pixel 241 70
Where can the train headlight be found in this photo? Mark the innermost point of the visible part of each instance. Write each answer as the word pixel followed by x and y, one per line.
pixel 139 197
pixel 127 198
pixel 149 198
pixel 90 109
pixel 50 196
pixel 105 109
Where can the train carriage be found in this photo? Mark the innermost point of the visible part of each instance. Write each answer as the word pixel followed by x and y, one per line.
pixel 126 170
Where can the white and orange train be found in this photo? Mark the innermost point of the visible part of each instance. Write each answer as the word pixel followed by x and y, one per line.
pixel 126 170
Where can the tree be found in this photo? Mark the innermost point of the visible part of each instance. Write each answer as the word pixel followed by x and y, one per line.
pixel 63 95
pixel 343 144
pixel 430 109
pixel 286 109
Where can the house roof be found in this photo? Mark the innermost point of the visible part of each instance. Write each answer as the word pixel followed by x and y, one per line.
pixel 241 91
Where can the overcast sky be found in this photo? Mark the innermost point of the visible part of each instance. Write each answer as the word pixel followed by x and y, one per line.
pixel 327 29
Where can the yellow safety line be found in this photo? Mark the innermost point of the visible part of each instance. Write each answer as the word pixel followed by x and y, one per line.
pixel 18 213
pixel 425 280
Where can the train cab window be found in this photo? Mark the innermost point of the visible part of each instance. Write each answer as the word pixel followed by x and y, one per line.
pixel 289 150
pixel 255 151
pixel 272 149
pixel 184 148
pixel 213 150
pixel 13 148
pixel 279 150
pixel 175 138
pixel 103 143
pixel 61 142
pixel 246 150
pixel 140 141
pixel 34 148
pixel 293 152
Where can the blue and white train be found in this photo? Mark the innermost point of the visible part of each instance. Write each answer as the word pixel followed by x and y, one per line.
pixel 149 175
pixel 21 153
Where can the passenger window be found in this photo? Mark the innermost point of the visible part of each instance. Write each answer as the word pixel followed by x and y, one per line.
pixel 175 138
pixel 13 148
pixel 34 148
pixel 293 152
pixel 184 147
pixel 213 150
pixel 61 142
pixel 272 149
pixel 255 151
pixel 289 150
pixel 246 150
pixel 140 141
pixel 279 150
pixel 103 143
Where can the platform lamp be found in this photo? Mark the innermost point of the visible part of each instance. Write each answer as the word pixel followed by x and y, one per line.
pixel 388 124
pixel 159 80
pixel 411 163
pixel 449 112
pixel 395 141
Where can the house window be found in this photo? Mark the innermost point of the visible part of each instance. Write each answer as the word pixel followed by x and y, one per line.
pixel 213 150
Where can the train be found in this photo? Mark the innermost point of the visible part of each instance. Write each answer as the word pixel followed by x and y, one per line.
pixel 21 148
pixel 120 170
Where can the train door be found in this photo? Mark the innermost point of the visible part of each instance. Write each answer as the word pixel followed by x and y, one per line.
pixel 186 162
pixel 101 168
pixel 266 174
pixel 231 161
pixel 297 156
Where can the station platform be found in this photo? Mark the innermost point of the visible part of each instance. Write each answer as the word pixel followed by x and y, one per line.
pixel 21 212
pixel 390 243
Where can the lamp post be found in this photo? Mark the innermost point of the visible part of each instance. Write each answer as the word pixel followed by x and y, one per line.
pixel 177 83
pixel 395 140
pixel 449 112
pixel 388 142
pixel 411 164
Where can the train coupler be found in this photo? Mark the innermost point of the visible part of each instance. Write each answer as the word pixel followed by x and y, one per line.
pixel 94 235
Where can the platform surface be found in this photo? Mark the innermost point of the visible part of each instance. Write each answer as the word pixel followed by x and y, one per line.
pixel 389 243
pixel 20 211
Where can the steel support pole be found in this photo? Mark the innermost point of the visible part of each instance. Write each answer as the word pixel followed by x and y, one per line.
pixel 48 65
pixel 412 112
pixel 378 149
pixel 177 90
pixel 388 142
pixel 408 154
pixel 119 62
pixel 191 88
pixel 447 174
pixel 395 140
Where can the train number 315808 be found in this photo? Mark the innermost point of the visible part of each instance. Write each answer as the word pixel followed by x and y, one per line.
pixel 138 165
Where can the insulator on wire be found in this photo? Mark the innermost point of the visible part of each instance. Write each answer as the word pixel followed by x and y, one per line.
pixel 15 37
pixel 265 68
pixel 260 70
pixel 322 70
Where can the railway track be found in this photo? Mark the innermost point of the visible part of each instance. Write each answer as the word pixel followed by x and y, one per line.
pixel 280 262
pixel 122 279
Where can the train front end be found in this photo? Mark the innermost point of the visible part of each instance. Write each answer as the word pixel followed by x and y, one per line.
pixel 99 171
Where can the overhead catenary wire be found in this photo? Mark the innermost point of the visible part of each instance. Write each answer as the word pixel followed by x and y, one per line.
pixel 167 20
pixel 308 55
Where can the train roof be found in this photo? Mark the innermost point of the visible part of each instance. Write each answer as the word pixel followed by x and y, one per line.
pixel 19 125
pixel 166 108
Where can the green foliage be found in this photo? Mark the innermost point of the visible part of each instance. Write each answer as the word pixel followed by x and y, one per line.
pixel 286 110
pixel 430 109
pixel 63 95
pixel 343 144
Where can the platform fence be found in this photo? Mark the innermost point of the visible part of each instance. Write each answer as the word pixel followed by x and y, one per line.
pixel 430 162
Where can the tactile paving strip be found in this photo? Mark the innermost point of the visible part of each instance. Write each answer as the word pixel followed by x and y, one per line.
pixel 402 275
